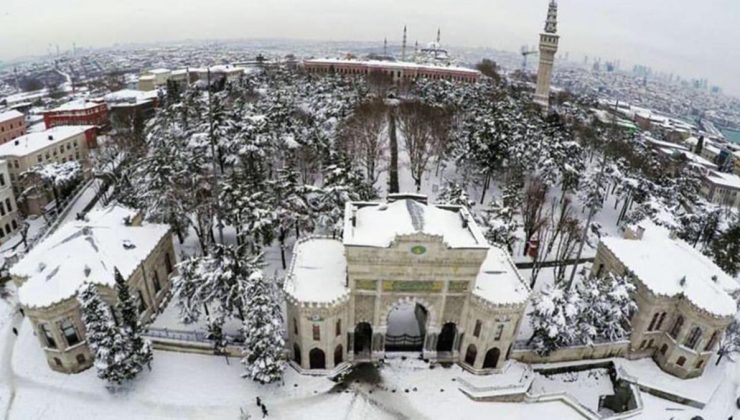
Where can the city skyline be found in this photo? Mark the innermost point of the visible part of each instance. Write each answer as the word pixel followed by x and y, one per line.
pixel 659 34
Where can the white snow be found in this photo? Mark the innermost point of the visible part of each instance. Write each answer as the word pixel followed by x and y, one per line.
pixel 390 64
pixel 33 142
pixel 318 272
pixel 585 386
pixel 130 96
pixel 671 267
pixel 84 251
pixel 76 105
pixel 379 224
pixel 9 115
pixel 724 179
pixel 499 281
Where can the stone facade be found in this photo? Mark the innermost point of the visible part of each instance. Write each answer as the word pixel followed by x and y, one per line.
pixel 548 47
pixel 419 269
pixel 677 334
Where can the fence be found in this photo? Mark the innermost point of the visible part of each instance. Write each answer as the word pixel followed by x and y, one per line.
pixel 404 342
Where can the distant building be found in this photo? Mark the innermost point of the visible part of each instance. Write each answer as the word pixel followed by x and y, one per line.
pixel 12 125
pixel 130 108
pixel 397 70
pixel 58 144
pixel 721 188
pixel 683 299
pixel 51 274
pixel 548 47
pixel 8 207
pixel 77 112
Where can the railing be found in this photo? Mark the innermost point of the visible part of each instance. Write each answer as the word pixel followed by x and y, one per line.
pixel 191 336
pixel 404 342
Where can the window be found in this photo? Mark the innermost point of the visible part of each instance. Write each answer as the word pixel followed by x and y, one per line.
pixel 339 328
pixel 50 342
pixel 677 327
pixel 168 263
pixel 295 327
pixel 712 341
pixel 39 158
pixel 142 302
pixel 663 349
pixel 650 343
pixel 476 331
pixel 8 204
pixel 681 361
pixel 693 338
pixel 155 282
pixel 2 180
pixel 653 322
pixel 316 332
pixel 7 229
pixel 499 332
pixel 2 209
pixel 15 225
pixel 643 344
pixel 660 321
pixel 58 362
pixel 80 359
pixel 70 332
pixel 699 364
pixel 599 270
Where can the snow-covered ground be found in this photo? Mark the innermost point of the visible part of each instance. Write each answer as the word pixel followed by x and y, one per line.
pixel 585 386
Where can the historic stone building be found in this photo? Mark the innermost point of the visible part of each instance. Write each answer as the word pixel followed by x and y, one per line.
pixel 49 277
pixel 683 298
pixel 407 276
pixel 548 47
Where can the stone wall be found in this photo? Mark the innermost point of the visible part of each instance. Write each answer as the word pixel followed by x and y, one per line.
pixel 574 353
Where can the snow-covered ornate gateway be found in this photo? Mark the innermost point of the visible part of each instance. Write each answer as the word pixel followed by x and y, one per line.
pixel 408 276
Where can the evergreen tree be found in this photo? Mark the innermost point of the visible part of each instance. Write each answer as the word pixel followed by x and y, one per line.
pixel 607 308
pixel 107 344
pixel 455 194
pixel 139 349
pixel 725 250
pixel 263 331
pixel 501 226
pixel 554 319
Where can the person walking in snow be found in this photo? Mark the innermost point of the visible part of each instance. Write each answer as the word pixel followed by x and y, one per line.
pixel 264 411
pixel 259 402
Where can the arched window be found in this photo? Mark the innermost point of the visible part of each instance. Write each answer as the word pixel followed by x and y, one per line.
pixel 338 355
pixel 491 359
pixel 339 328
pixel 660 321
pixel 316 332
pixel 363 338
pixel 295 326
pixel 297 353
pixel 699 364
pixel 693 338
pixel 663 349
pixel 317 359
pixel 653 322
pixel 471 354
pixel 80 359
pixel 446 338
pixel 681 361
pixel 712 341
pixel 476 330
pixel 677 327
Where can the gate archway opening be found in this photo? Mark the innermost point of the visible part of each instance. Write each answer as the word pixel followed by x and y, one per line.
pixel 446 338
pixel 363 339
pixel 491 359
pixel 471 354
pixel 317 359
pixel 407 322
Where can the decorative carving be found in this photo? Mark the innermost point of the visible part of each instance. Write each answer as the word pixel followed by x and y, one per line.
pixel 457 287
pixel 413 286
pixel 366 284
pixel 364 308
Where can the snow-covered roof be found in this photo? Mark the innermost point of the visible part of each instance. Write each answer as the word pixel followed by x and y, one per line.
pixel 159 71
pixel 83 251
pixel 499 281
pixel 76 105
pixel 724 179
pixel 318 271
pixel 9 115
pixel 33 142
pixel 130 96
pixel 671 267
pixel 391 64
pixel 378 224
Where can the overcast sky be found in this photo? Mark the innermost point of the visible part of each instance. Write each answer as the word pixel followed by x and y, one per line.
pixel 692 38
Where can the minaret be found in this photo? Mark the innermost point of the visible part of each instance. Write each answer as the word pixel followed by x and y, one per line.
pixel 438 38
pixel 548 47
pixel 403 46
pixel 385 47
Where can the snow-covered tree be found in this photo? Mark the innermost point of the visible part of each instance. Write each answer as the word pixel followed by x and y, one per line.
pixel 554 318
pixel 291 210
pixel 215 283
pixel 263 331
pixel 608 306
pixel 455 194
pixel 139 349
pixel 500 225
pixel 341 184
pixel 725 250
pixel 105 339
pixel 729 344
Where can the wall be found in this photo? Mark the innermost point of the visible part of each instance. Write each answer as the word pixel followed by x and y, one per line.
pixel 575 353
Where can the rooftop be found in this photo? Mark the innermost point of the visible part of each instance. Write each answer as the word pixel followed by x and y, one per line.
pixel 724 179
pixel 76 105
pixel 9 115
pixel 130 96
pixel 318 272
pixel 82 251
pixel 33 142
pixel 378 224
pixel 391 64
pixel 499 281
pixel 671 267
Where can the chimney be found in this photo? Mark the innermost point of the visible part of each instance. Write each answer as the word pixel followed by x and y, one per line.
pixel 639 232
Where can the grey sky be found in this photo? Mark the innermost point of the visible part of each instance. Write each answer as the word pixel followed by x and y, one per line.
pixel 692 38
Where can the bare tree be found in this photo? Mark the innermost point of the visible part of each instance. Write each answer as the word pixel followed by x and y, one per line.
pixel 558 222
pixel 425 130
pixel 380 82
pixel 363 136
pixel 532 209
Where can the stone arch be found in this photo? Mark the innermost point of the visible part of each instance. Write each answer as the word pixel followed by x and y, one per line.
pixel 363 338
pixel 491 359
pixel 431 313
pixel 470 355
pixel 446 338
pixel 317 358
